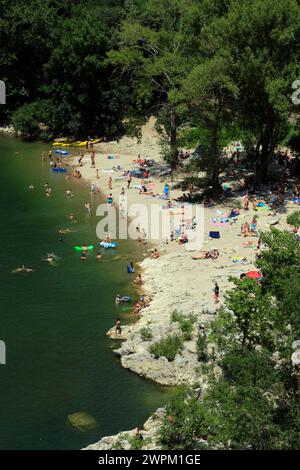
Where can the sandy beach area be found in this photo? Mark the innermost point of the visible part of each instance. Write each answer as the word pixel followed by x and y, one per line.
pixel 174 281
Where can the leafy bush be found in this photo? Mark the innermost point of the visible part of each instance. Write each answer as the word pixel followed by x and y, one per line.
pixel 201 348
pixel 183 422
pixel 28 117
pixel 167 347
pixel 176 316
pixel 136 443
pixel 145 333
pixel 187 328
pixel 294 219
pixel 186 323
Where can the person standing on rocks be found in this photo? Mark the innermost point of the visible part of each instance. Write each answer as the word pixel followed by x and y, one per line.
pixel 216 293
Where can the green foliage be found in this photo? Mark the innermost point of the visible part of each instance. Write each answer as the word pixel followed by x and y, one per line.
pixel 294 219
pixel 281 259
pixel 167 347
pixel 255 403
pixel 201 348
pixel 183 422
pixel 54 54
pixel 145 333
pixel 186 323
pixel 28 118
pixel 249 317
pixel 136 443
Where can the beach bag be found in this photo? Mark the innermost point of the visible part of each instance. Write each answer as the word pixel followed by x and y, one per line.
pixel 214 234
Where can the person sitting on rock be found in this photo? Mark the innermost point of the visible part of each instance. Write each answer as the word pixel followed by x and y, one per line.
pixel 138 280
pixel 118 328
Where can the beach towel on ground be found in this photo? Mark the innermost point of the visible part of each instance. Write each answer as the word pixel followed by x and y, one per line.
pixel 214 234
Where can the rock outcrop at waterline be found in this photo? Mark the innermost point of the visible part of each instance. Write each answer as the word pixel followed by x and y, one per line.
pixel 127 441
pixel 167 297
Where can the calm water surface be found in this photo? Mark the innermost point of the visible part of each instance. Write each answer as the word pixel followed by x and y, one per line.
pixel 54 320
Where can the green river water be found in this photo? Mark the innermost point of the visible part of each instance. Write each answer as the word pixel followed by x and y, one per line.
pixel 53 320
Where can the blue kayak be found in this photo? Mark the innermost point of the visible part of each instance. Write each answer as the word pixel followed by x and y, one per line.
pixel 62 152
pixel 108 245
pixel 59 170
pixel 126 298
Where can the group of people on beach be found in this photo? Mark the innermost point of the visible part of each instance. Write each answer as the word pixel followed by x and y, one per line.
pixel 249 229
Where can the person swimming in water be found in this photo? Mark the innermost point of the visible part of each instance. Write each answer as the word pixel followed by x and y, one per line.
pixel 73 218
pixel 51 258
pixel 118 299
pixel 23 269
pixel 98 256
pixel 130 268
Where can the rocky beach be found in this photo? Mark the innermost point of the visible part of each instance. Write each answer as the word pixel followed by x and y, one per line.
pixel 175 282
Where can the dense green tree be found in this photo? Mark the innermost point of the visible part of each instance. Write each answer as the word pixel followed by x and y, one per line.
pixel 248 319
pixel 209 93
pixel 280 260
pixel 261 40
pixel 156 51
pixel 52 59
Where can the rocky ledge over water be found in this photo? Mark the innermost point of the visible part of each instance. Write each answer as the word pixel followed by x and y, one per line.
pixel 127 441
pixel 164 283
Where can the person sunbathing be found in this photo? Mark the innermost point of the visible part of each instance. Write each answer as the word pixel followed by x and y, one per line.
pixel 145 300
pixel 211 254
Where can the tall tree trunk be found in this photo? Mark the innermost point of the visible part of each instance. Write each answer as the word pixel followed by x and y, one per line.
pixel 173 139
pixel 264 156
pixel 214 151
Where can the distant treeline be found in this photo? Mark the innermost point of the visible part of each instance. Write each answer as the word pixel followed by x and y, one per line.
pixel 100 67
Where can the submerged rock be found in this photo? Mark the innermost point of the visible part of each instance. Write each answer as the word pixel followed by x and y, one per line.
pixel 82 421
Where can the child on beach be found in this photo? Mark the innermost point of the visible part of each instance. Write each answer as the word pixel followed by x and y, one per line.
pixel 253 225
pixel 246 202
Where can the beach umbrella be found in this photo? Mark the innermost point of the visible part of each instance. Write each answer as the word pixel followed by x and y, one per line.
pixel 254 275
